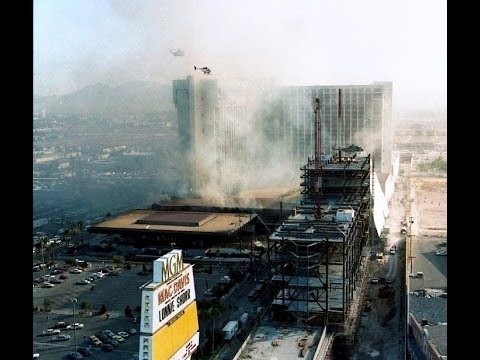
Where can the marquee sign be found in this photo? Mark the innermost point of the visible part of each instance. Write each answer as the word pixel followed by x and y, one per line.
pixel 169 321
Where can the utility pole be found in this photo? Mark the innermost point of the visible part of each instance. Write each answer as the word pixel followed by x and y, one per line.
pixel 74 300
pixel 410 235
pixel 411 263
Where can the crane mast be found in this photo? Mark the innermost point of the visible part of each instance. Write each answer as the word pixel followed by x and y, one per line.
pixel 318 161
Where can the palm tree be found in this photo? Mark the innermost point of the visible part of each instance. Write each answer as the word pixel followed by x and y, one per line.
pixel 47 304
pixel 85 305
pixel 43 244
pixel 66 236
pixel 80 226
pixel 214 312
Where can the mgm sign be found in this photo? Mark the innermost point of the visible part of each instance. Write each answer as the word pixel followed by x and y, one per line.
pixel 169 321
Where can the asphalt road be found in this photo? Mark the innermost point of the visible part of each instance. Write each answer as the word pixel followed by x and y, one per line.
pixel 381 331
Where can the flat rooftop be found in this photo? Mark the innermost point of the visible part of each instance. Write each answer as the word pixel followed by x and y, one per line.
pixel 433 309
pixel 176 219
pixel 438 335
pixel 271 342
pixel 175 222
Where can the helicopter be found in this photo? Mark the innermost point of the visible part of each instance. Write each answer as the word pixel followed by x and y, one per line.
pixel 177 52
pixel 205 69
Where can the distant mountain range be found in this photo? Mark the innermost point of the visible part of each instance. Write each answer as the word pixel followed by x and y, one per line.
pixel 129 97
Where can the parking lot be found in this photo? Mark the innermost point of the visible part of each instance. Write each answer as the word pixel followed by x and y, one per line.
pixel 115 292
pixel 433 267
pixel 428 209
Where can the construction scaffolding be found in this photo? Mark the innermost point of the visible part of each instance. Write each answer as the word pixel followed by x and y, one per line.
pixel 317 260
pixel 317 253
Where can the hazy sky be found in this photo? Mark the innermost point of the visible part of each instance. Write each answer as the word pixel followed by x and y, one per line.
pixel 295 42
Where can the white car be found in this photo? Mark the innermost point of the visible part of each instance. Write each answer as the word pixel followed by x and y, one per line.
pixel 47 285
pixel 36 355
pixel 123 334
pixel 76 271
pixel 51 332
pixel 75 326
pixel 83 282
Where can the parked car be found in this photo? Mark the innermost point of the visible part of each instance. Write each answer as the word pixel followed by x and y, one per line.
pixel 112 342
pixel 95 340
pixel 84 351
pixel 36 355
pixel 209 292
pixel 51 332
pixel 55 281
pixel 374 280
pixel 118 338
pixel 418 274
pixel 123 334
pixel 61 337
pixel 83 282
pixel 74 355
pixel 109 333
pixel 102 337
pixel 99 274
pixel 132 331
pixel 75 326
pixel 48 285
pixel 60 325
pixel 107 347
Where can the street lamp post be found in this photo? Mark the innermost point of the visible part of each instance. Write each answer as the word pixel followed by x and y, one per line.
pixel 410 235
pixel 74 300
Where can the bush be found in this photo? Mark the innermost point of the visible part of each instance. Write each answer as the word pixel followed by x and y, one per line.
pixel 118 259
pixel 103 310
pixel 85 305
pixel 70 261
pixel 128 266
pixel 128 311
pixel 138 308
pixel 437 165
pixel 47 303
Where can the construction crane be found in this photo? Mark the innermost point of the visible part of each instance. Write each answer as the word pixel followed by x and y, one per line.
pixel 318 161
